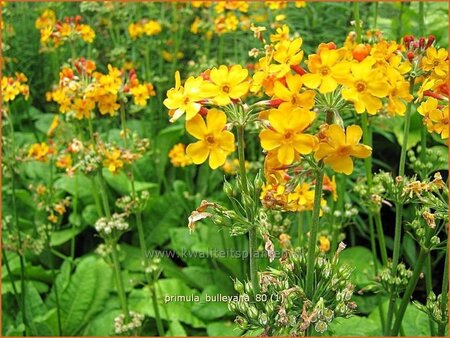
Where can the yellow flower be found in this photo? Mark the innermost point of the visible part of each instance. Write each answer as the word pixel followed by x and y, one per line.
pixel 365 86
pixel 64 161
pixel 287 53
pixel 330 185
pixel 440 120
pixel 326 70
pixel 134 30
pixel 435 119
pixel 398 93
pixel 83 108
pixel 214 142
pixel 286 136
pixel 302 197
pixel 178 156
pixel 227 83
pixel 40 151
pixel 184 99
pixel 111 82
pixel 337 147
pixel 436 61
pixel 324 244
pixel 113 160
pixel 152 27
pixel 140 94
pixel 282 33
pixel 46 19
pixel 87 33
pixel 292 95
pixel 107 104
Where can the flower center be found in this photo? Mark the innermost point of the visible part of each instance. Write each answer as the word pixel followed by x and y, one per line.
pixel 324 71
pixel 436 63
pixel 288 136
pixel 344 151
pixel 226 89
pixel 360 86
pixel 210 140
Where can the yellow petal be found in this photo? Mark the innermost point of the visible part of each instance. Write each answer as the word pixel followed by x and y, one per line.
pixel 216 121
pixel 286 154
pixel 328 85
pixel 312 80
pixel 354 134
pixel 282 92
pixel 323 150
pixel 304 143
pixel 270 139
pixel 226 141
pixel 196 127
pixel 217 157
pixel 361 151
pixel 340 164
pixel 294 82
pixel 336 135
pixel 198 152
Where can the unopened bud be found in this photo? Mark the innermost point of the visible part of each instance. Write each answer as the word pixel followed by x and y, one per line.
pixel 430 40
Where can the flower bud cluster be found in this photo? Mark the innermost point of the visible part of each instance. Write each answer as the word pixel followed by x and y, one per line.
pixel 114 225
pixel 121 327
pixel 434 308
pixel 394 284
pixel 281 306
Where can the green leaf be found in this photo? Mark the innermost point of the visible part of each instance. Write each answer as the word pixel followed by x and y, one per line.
pixel 179 309
pixel 165 139
pixel 85 295
pixel 223 329
pixel 176 329
pixel 354 326
pixel 360 259
pixel 90 214
pixel 78 184
pixel 34 309
pixel 210 306
pixel 414 129
pixel 122 184
pixel 62 236
pixel 43 122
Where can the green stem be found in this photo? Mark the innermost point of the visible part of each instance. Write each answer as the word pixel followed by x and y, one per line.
pixel 401 169
pixel 16 217
pixel 313 233
pixel 399 211
pixel 396 253
pixel 13 284
pixel 429 287
pixel 300 228
pixel 119 282
pixel 357 21
pixel 375 16
pixel 140 228
pixel 409 290
pixel 421 19
pixel 444 295
pixel 381 239
pixel 245 193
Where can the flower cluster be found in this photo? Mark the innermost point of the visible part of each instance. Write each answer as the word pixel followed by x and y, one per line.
pixel 13 86
pixel 55 32
pixel 144 28
pixel 83 89
pixel 136 320
pixel 110 226
pixel 282 308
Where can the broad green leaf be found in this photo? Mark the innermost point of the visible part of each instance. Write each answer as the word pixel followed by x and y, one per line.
pixel 122 184
pixel 79 185
pixel 85 295
pixel 34 308
pixel 165 139
pixel 360 259
pixel 176 329
pixel 223 329
pixel 354 326
pixel 61 236
pixel 414 130
pixel 172 305
pixel 211 306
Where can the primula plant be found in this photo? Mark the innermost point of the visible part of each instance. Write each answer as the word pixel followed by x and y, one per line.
pixel 226 168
